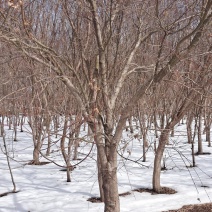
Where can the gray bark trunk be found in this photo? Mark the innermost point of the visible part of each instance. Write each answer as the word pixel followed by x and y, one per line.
pixel 107 167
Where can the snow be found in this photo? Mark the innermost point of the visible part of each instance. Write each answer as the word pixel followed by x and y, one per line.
pixel 44 188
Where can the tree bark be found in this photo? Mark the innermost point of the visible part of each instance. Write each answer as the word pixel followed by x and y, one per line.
pixel 156 125
pixel 2 125
pixel 110 183
pixel 36 154
pixel 189 130
pixel 100 180
pixel 208 136
pixel 200 149
pixel 107 167
pixel 158 158
pixel 143 129
pixel 22 123
pixel 15 124
pixel 63 150
pixel 208 122
pixel 8 163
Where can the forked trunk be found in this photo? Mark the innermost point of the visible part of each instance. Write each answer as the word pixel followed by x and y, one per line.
pixel 107 167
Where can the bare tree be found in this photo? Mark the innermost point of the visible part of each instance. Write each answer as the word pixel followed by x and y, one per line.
pixel 182 104
pixel 94 47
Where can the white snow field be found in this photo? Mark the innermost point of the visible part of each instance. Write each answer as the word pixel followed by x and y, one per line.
pixel 44 188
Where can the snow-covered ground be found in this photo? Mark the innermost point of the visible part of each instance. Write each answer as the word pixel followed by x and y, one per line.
pixel 44 188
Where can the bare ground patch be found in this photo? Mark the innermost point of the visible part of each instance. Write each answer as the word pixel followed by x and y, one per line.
pixel 207 207
pixel 164 190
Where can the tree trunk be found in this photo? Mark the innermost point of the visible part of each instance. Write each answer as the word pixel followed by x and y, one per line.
pixel 143 128
pixel 8 163
pixel 15 124
pixel 22 123
pixel 110 187
pixel 48 143
pixel 192 144
pixel 48 124
pixel 172 132
pixel 36 154
pixel 56 125
pixel 10 122
pixel 144 146
pixel 158 158
pixel 100 180
pixel 110 183
pixel 200 150
pixel 66 156
pixel 155 125
pixel 207 129
pixel 90 136
pixel 76 143
pixel 107 161
pixel 193 154
pixel 131 125
pixel 36 127
pixel 2 126
pixel 208 136
pixel 189 130
pixel 162 121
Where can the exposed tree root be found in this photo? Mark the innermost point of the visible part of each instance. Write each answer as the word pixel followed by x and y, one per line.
pixel 38 164
pixel 98 200
pixel 9 192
